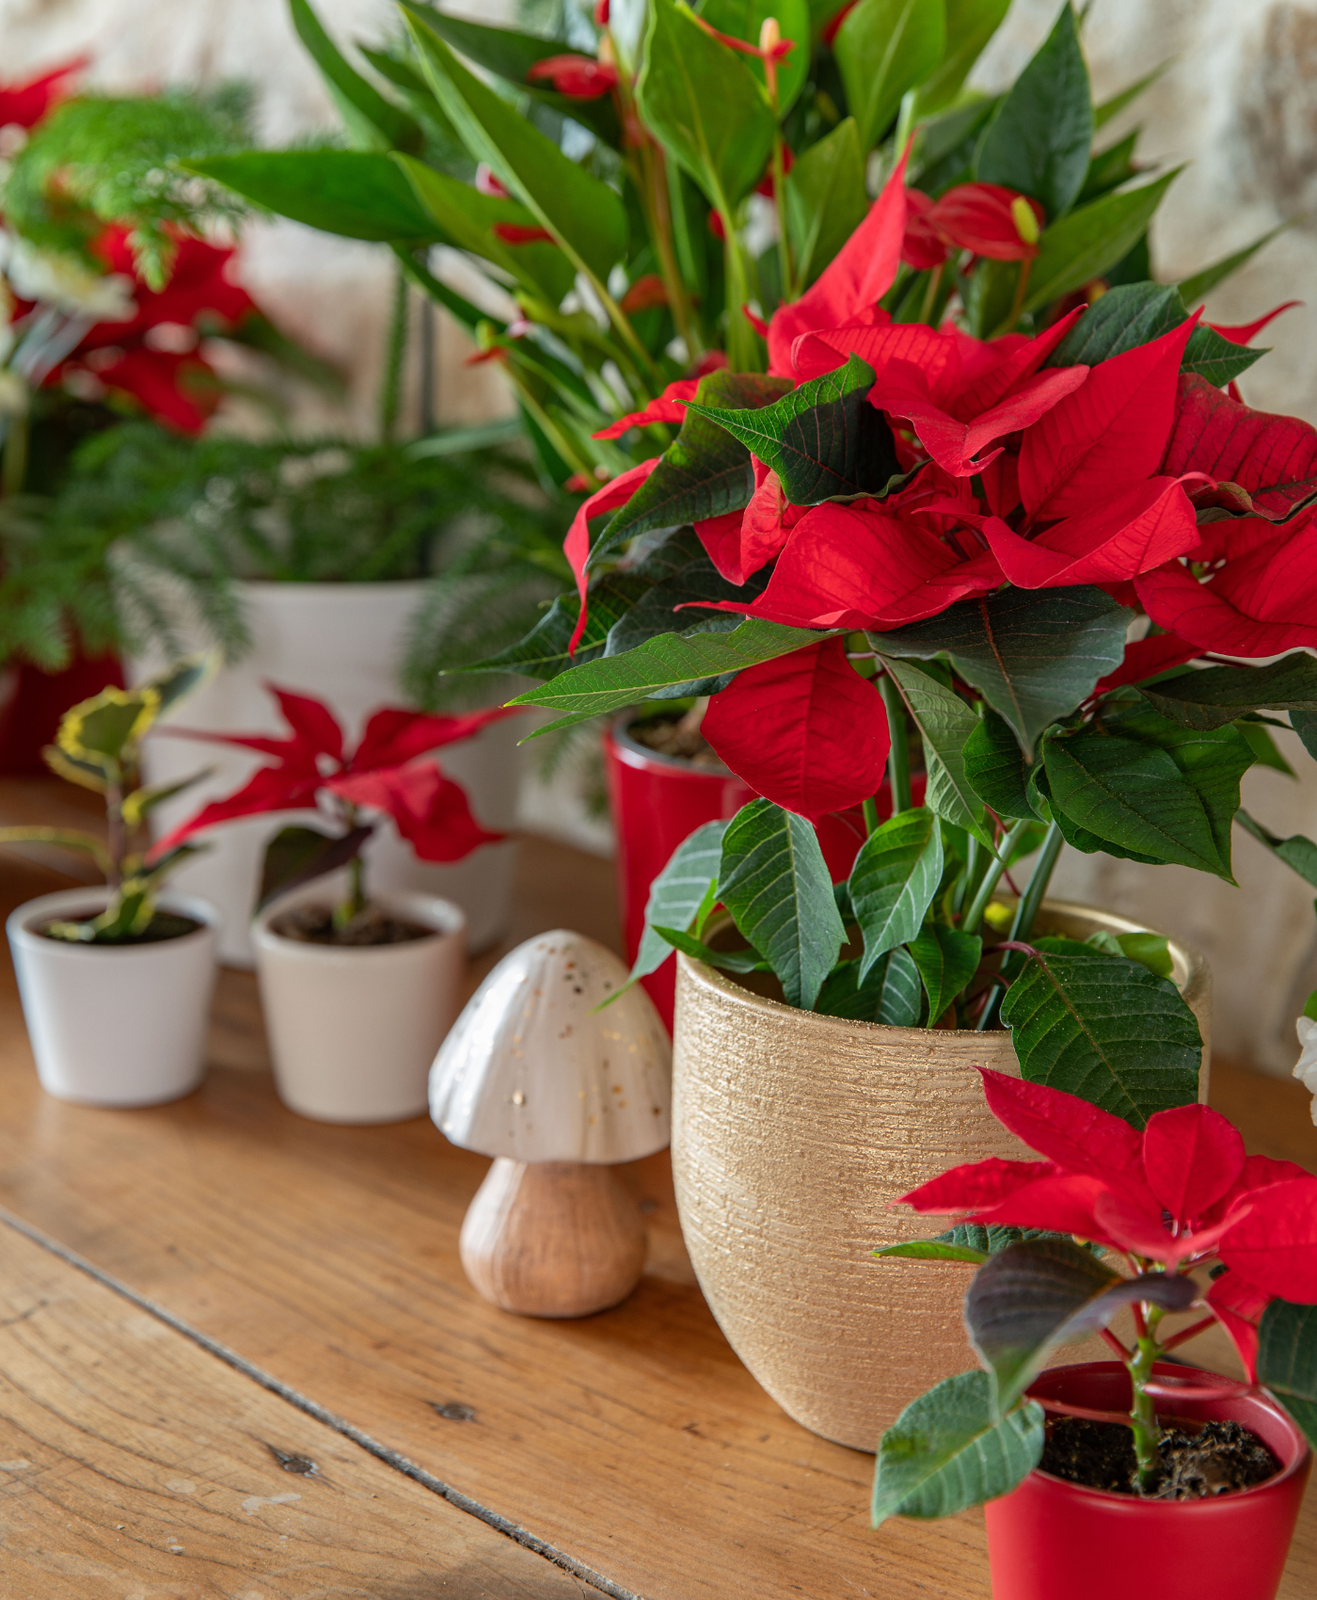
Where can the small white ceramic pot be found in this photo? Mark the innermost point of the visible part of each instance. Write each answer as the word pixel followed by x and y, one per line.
pixel 115 1025
pixel 353 1030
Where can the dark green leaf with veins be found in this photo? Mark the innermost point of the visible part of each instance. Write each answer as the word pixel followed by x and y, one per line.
pixel 1287 1360
pixel 1105 1029
pixel 947 959
pixel 1033 1296
pixel 775 883
pixel 704 471
pixel 679 894
pixel 949 1450
pixel 1297 852
pixel 994 766
pixel 1035 654
pixel 891 993
pixel 893 881
pixel 823 439
pixel 1213 696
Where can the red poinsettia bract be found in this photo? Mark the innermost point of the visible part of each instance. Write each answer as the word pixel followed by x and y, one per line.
pixel 1178 1195
pixel 23 105
pixel 385 773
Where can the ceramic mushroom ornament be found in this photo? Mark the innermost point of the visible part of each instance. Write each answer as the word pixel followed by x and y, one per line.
pixel 558 1094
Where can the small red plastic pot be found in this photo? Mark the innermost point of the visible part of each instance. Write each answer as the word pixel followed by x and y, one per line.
pixel 1053 1540
pixel 657 801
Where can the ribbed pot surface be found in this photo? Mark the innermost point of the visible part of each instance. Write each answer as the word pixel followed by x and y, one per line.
pixel 791 1133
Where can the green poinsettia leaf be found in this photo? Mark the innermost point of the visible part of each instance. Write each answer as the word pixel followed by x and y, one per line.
pixel 893 881
pixel 1210 697
pixel 947 959
pixel 678 896
pixel 891 993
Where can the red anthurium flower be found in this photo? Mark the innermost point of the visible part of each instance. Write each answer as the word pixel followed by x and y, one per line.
pixel 1179 1193
pixel 849 288
pixel 24 104
pixel 1273 459
pixel 576 546
pixel 835 21
pixel 383 773
pixel 669 407
pixel 577 77
pixel 862 566
pixel 1109 433
pixel 980 217
pixel 1260 603
pixel 1135 530
pixel 923 247
pixel 521 233
pixel 805 731
pixel 645 294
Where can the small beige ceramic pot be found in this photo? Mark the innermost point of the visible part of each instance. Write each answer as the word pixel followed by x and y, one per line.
pixel 353 1030
pixel 791 1133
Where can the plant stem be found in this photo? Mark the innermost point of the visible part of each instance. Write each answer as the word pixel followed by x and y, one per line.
pixel 1025 913
pixel 930 294
pixel 116 842
pixel 992 877
pixel 660 203
pixel 870 810
pixel 973 850
pixel 780 201
pixel 355 902
pixel 391 384
pixel 1143 1413
pixel 742 353
pixel 898 761
pixel 1022 283
pixel 14 468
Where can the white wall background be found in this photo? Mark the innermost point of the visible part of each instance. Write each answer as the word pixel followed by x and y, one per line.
pixel 1239 103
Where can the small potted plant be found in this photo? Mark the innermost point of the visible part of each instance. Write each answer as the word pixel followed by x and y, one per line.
pixel 358 989
pixel 1158 1467
pixel 116 982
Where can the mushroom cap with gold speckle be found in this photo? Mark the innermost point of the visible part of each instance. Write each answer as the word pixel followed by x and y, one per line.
pixel 531 1071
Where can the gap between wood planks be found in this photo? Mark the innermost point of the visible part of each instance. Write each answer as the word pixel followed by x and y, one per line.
pixel 340 1425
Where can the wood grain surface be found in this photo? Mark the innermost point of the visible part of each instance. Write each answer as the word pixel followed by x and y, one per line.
pixel 135 1465
pixel 634 1441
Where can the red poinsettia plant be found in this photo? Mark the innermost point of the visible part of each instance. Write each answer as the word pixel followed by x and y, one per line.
pixel 1176 1218
pixel 391 773
pixel 1019 563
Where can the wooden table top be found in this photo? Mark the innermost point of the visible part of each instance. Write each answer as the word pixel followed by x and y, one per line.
pixel 239 1359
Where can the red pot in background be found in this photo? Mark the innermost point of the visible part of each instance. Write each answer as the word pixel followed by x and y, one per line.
pixel 657 801
pixel 32 703
pixel 1053 1540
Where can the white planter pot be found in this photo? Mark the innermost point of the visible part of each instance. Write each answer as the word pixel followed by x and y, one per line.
pixel 353 1030
pixel 343 643
pixel 115 1025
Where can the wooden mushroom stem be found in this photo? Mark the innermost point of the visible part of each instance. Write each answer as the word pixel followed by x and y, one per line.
pixel 553 1238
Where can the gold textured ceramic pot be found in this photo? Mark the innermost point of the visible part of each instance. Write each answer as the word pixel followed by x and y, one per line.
pixel 791 1132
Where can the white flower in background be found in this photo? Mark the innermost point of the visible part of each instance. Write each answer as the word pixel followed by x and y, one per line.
pixel 56 279
pixel 1305 1069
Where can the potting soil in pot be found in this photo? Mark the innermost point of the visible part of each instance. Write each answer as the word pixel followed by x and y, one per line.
pixel 164 925
pixel 1197 1460
pixel 315 925
pixel 679 737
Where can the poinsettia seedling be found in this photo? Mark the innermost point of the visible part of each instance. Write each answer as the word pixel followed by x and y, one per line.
pixel 1151 1209
pixel 389 774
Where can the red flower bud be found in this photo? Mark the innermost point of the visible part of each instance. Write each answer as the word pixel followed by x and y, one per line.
pixel 577 77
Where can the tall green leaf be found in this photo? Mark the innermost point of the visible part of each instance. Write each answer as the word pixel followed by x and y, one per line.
pixel 893 881
pixel 947 959
pixel 945 724
pixel 1210 697
pixel 373 122
pixel 1287 1360
pixel 354 193
pixel 704 471
pixel 825 199
pixel 1040 138
pixel 969 26
pixel 949 1450
pixel 994 767
pixel 1304 724
pixel 1033 1296
pixel 892 994
pixel 822 439
pixel 1035 653
pixel 883 48
pixel 584 215
pixel 1106 1029
pixel 661 663
pixel 774 881
pixel 1089 242
pixel 680 894
pixel 703 105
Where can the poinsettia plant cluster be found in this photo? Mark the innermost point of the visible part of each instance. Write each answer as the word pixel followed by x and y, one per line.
pixel 1176 1218
pixel 905 547
pixel 390 774
pixel 650 198
pixel 107 291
